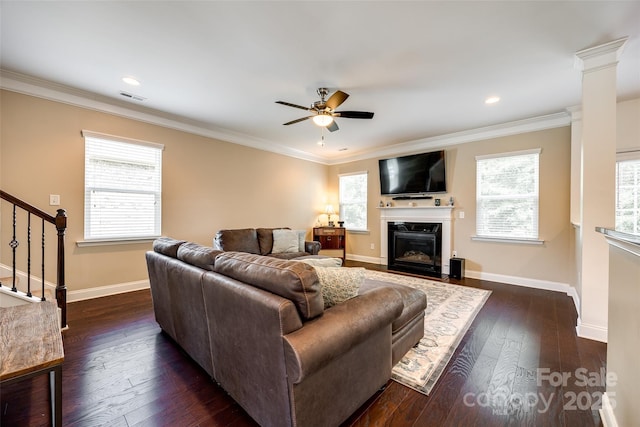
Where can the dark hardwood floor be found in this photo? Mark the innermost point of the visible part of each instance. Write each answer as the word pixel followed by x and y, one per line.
pixel 121 370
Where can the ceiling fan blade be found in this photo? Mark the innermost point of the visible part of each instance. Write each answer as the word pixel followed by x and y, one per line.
pixel 296 121
pixel 353 114
pixel 336 99
pixel 333 126
pixel 288 104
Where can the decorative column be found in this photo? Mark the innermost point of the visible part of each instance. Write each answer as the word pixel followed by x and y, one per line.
pixel 597 178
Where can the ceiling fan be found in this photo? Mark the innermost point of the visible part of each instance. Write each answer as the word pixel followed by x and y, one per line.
pixel 325 110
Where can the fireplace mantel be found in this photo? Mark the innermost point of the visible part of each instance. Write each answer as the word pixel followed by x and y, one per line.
pixel 442 214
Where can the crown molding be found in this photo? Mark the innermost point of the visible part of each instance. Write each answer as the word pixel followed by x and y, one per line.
pixel 20 83
pixel 533 124
pixel 27 85
pixel 600 57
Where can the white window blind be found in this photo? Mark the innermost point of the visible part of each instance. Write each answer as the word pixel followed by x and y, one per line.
pixel 507 195
pixel 122 188
pixel 628 192
pixel 353 200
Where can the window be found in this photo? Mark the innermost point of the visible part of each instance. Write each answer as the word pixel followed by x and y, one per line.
pixel 122 188
pixel 353 200
pixel 507 195
pixel 628 192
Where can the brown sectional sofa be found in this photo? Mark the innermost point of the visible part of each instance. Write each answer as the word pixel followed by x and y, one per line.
pixel 258 326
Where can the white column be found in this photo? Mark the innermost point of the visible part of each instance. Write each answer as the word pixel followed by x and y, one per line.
pixel 597 179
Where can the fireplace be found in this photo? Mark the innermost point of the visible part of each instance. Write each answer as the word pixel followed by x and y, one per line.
pixel 442 215
pixel 415 247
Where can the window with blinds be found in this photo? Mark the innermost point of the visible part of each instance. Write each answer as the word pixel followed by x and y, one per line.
pixel 122 184
pixel 628 192
pixel 507 195
pixel 353 200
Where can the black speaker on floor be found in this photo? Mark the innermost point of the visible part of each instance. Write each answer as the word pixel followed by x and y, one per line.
pixel 456 268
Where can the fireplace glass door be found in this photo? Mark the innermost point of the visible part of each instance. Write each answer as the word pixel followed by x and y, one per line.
pixel 415 247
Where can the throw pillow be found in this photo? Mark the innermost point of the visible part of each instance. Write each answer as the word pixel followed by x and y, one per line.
pixel 301 238
pixel 285 241
pixel 339 284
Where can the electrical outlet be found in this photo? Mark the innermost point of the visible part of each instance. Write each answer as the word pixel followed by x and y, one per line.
pixel 54 200
pixel 373 246
pixel 461 215
pixel 455 254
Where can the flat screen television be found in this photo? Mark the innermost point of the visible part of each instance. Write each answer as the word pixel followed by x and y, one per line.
pixel 414 174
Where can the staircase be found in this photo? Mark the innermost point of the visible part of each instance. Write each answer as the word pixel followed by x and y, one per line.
pixel 19 285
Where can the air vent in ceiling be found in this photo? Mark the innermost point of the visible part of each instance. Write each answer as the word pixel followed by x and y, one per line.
pixel 132 96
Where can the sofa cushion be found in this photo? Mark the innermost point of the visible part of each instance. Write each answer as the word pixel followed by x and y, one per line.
pixel 339 284
pixel 320 261
pixel 240 240
pixel 198 255
pixel 167 246
pixel 288 255
pixel 285 241
pixel 414 301
pixel 293 280
pixel 265 240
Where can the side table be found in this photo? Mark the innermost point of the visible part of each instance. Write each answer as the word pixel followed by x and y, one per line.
pixel 333 241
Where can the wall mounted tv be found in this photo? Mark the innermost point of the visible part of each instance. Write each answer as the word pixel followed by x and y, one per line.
pixel 414 174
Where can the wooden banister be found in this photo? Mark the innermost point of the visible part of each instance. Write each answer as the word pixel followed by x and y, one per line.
pixel 60 223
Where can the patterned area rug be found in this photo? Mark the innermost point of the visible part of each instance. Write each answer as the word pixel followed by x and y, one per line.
pixel 450 311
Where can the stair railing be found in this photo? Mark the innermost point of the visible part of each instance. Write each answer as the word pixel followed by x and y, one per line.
pixel 60 223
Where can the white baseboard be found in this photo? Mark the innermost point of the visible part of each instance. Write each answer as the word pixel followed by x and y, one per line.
pixel 530 283
pixel 103 291
pixel 362 258
pixel 606 413
pixel 592 332
pixel 521 281
pixel 80 294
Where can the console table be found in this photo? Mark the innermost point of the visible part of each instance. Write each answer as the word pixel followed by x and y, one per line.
pixel 333 240
pixel 30 345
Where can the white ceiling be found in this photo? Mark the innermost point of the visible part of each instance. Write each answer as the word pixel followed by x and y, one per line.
pixel 423 67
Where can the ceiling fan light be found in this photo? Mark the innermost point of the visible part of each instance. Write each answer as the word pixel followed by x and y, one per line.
pixel 323 120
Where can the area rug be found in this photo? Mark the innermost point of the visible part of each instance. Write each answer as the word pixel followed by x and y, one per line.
pixel 449 313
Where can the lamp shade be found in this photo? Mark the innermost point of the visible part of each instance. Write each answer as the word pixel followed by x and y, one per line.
pixel 329 210
pixel 322 120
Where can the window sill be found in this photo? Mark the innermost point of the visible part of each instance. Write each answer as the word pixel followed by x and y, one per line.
pixel 508 240
pixel 110 242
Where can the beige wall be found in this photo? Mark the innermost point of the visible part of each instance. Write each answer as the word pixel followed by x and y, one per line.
pixel 207 184
pixel 549 262
pixel 628 125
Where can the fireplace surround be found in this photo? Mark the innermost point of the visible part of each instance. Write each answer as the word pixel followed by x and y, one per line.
pixel 442 215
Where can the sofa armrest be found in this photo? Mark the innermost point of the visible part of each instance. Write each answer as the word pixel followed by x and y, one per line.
pixel 338 330
pixel 312 247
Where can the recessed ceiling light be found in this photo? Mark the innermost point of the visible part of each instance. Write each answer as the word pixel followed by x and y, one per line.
pixel 492 100
pixel 131 81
